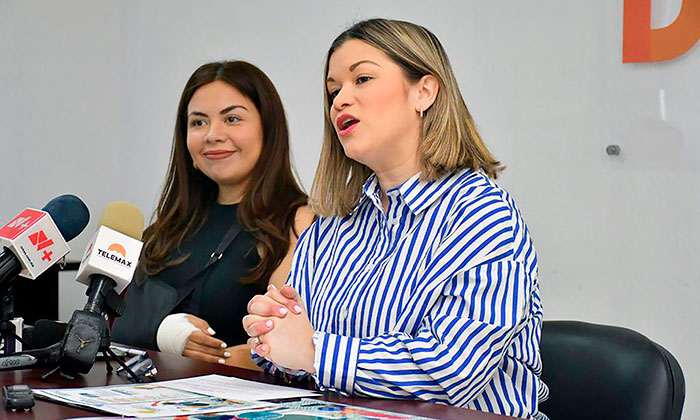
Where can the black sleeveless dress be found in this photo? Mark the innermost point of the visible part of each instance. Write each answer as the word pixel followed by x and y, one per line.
pixel 218 297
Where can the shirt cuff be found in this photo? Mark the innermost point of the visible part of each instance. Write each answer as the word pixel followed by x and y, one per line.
pixel 335 361
pixel 260 361
pixel 270 368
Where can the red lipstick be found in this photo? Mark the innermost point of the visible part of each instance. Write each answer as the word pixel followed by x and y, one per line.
pixel 218 154
pixel 346 123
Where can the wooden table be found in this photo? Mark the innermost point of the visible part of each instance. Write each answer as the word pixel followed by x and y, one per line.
pixel 173 367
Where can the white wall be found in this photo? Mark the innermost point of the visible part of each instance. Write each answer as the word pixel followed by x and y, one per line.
pixel 89 90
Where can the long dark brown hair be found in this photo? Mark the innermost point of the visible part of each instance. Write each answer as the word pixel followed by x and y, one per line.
pixel 272 194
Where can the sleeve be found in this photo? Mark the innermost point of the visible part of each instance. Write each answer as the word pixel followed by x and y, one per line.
pixel 146 305
pixel 479 303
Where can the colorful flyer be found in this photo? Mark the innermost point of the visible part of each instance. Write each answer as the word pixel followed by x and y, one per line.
pixel 145 400
pixel 305 409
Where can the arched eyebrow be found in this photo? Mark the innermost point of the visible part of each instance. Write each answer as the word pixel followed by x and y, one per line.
pixel 353 66
pixel 222 112
pixel 231 108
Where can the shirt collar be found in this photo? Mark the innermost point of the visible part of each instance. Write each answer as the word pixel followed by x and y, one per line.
pixel 371 191
pixel 420 194
pixel 416 193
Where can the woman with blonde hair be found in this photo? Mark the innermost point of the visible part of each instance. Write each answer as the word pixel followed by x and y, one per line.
pixel 419 281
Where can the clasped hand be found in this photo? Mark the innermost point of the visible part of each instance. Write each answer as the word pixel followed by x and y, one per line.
pixel 280 329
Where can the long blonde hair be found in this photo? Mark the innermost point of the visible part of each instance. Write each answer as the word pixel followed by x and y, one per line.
pixel 450 140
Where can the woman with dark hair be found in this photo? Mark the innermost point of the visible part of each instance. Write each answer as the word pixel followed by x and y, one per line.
pixel 419 280
pixel 227 221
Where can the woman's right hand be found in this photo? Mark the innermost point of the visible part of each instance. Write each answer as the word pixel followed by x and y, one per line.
pixel 275 303
pixel 201 345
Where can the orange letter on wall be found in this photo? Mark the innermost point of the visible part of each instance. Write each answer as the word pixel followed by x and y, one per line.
pixel 640 43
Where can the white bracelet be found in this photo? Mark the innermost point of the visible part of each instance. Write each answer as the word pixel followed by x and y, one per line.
pixel 173 333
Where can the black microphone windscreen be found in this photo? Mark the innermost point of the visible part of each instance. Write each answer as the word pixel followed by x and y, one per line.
pixel 46 333
pixel 69 213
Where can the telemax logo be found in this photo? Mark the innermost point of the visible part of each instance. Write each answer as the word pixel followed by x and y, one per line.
pixel 118 249
pixel 115 252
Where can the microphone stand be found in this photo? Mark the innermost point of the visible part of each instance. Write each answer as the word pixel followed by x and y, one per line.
pixel 107 353
pixel 59 356
pixel 39 358
pixel 109 302
pixel 7 328
pixel 88 331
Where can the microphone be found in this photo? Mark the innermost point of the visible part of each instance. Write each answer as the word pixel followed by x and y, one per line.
pixel 46 357
pixel 45 338
pixel 114 250
pixel 107 267
pixel 35 239
pixel 44 333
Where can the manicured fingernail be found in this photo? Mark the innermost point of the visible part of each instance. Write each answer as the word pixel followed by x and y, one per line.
pixel 271 287
pixel 223 345
pixel 283 311
pixel 227 354
pixel 297 309
pixel 252 351
pixel 222 361
pixel 263 348
pixel 268 323
pixel 211 331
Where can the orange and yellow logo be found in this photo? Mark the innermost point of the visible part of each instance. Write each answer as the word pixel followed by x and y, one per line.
pixel 117 249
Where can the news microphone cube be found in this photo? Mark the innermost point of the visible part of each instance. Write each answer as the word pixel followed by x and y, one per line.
pixel 36 241
pixel 112 254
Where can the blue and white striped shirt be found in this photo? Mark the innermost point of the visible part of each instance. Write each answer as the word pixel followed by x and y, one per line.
pixel 436 299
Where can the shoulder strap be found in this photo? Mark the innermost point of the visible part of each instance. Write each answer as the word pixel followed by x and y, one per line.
pixel 153 291
pixel 230 235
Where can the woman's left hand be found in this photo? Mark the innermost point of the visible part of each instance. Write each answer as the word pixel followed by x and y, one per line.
pixel 284 341
pixel 276 303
